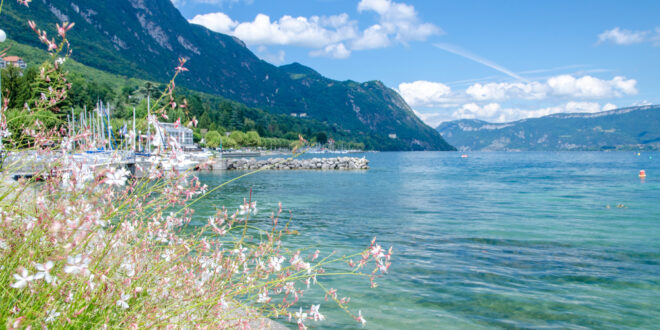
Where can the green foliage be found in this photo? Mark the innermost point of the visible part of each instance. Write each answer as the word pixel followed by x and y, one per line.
pixel 18 85
pixel 321 138
pixel 252 139
pixel 220 65
pixel 229 143
pixel 213 112
pixel 213 139
pixel 239 137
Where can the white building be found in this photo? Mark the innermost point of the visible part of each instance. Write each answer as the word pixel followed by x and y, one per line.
pixel 183 135
pixel 12 60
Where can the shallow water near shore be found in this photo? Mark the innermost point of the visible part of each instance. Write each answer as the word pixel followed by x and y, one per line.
pixel 512 240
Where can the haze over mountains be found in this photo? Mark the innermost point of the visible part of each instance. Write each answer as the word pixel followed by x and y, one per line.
pixel 631 128
pixel 144 39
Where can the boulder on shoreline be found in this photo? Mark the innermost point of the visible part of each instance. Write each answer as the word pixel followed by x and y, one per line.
pixel 334 163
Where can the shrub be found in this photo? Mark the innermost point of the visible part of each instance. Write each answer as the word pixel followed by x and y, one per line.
pixel 228 143
pixel 93 246
pixel 252 139
pixel 212 139
pixel 239 137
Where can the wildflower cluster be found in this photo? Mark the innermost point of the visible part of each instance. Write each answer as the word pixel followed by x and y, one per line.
pixel 87 243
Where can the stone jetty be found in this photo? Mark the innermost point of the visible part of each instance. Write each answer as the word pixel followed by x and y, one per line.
pixel 335 163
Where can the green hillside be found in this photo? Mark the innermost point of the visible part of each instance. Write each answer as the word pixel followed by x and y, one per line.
pixel 622 129
pixel 90 85
pixel 144 39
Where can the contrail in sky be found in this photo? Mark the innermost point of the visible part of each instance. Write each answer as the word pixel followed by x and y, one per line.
pixel 464 53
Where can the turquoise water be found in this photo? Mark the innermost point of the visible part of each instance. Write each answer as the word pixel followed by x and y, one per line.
pixel 511 240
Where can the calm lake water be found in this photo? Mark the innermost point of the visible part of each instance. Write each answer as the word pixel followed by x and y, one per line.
pixel 511 240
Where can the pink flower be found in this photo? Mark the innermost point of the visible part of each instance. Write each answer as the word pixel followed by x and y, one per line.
pixel 314 313
pixel 61 30
pixel 180 68
pixel 24 2
pixel 360 318
pixel 300 316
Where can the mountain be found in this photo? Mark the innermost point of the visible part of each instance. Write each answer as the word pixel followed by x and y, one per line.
pixel 621 129
pixel 145 38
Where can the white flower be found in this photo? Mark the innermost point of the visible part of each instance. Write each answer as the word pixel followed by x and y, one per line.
pixel 123 301
pixel 3 245
pixel 263 297
pixel 248 208
pixel 117 177
pixel 301 316
pixel 275 263
pixel 314 313
pixel 360 318
pixel 44 272
pixel 76 265
pixel 129 269
pixel 91 283
pixel 22 279
pixel 167 256
pixel 52 315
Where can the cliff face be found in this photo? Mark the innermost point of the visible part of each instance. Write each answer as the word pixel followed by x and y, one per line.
pixel 622 129
pixel 145 38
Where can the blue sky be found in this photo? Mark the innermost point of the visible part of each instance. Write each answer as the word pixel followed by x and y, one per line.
pixel 491 60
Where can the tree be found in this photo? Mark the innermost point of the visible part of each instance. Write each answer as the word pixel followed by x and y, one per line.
pixel 228 142
pixel 252 139
pixel 321 138
pixel 213 139
pixel 239 137
pixel 236 119
pixel 16 85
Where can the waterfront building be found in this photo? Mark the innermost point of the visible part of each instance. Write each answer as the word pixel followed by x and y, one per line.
pixel 183 135
pixel 12 60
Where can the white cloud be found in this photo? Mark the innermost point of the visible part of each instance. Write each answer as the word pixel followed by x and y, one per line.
pixel 424 93
pixel 494 112
pixel 642 103
pixel 399 20
pixel 437 95
pixel 624 37
pixel 504 91
pixel 609 106
pixel 334 51
pixel 373 37
pixel 464 53
pixel 218 22
pixel 334 36
pixel 313 32
pixel 590 87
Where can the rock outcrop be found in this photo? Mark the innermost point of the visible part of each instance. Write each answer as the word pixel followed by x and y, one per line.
pixel 336 163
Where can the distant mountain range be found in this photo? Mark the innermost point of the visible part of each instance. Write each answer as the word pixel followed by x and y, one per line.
pixel 144 39
pixel 622 129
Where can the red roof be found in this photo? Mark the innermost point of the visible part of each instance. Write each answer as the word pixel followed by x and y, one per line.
pixel 12 58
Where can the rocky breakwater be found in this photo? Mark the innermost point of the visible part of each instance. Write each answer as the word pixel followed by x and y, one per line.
pixel 336 163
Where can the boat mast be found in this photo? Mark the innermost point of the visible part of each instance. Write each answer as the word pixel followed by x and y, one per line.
pixel 148 126
pixel 134 148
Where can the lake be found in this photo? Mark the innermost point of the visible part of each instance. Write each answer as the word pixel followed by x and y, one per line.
pixel 511 240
